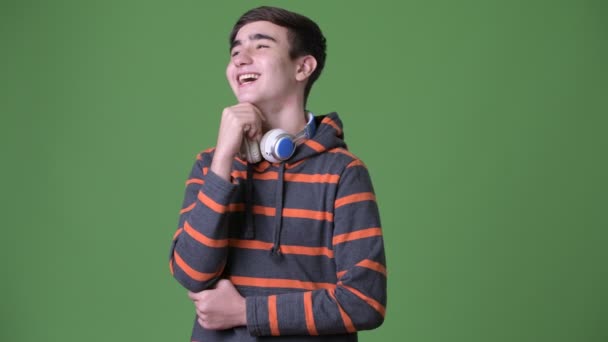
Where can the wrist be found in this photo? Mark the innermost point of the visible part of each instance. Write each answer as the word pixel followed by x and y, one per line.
pixel 221 165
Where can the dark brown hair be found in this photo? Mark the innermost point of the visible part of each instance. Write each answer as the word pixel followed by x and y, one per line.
pixel 304 35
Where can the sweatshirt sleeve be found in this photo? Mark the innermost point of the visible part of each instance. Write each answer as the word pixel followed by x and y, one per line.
pixel 200 244
pixel 358 299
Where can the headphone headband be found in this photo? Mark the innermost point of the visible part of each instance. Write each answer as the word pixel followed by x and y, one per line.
pixel 308 132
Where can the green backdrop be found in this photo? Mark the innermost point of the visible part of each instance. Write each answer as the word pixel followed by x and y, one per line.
pixel 483 124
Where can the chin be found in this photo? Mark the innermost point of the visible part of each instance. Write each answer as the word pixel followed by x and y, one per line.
pixel 250 98
pixel 242 99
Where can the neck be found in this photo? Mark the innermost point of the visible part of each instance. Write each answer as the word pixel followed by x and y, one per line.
pixel 289 116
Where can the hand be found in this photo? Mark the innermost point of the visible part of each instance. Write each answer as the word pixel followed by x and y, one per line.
pixel 220 308
pixel 238 121
pixel 243 119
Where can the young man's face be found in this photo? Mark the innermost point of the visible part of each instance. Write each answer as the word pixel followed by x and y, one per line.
pixel 260 70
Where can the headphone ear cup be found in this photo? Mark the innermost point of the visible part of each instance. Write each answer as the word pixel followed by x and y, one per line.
pixel 277 145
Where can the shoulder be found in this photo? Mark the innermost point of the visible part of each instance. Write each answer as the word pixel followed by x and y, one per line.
pixel 343 159
pixel 335 161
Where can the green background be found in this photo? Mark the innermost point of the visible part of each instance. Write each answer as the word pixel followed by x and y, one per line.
pixel 483 124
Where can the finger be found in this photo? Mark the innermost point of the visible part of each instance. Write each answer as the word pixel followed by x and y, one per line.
pixel 257 129
pixel 253 134
pixel 251 107
pixel 252 129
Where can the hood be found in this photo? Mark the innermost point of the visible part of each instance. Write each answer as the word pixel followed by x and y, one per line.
pixel 329 135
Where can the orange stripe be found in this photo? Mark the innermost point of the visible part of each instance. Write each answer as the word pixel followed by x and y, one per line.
pixel 299 213
pixel 372 265
pixel 203 239
pixel 267 211
pixel 171 266
pixel 308 214
pixel 279 283
pixel 359 197
pixel 192 273
pixel 205 170
pixel 340 274
pixel 292 165
pixel 359 234
pixel 261 167
pixel 179 231
pixel 343 151
pixel 356 163
pixel 199 156
pixel 270 175
pixel 218 208
pixel 315 178
pixel 297 177
pixel 370 301
pixel 314 145
pixel 310 318
pixel 239 174
pixel 211 204
pixel 333 124
pixel 302 250
pixel 194 181
pixel 285 249
pixel 244 162
pixel 250 244
pixel 348 323
pixel 272 315
pixel 236 207
pixel 187 209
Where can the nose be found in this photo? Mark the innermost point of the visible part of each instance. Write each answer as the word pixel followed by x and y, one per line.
pixel 243 58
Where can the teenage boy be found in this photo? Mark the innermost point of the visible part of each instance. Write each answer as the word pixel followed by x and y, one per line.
pixel 289 247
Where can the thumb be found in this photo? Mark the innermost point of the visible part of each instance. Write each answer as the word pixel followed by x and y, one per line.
pixel 223 284
pixel 193 296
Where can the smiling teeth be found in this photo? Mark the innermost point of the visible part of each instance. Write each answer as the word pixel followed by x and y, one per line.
pixel 248 77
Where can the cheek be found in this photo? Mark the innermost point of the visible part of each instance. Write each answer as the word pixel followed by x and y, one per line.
pixel 288 71
pixel 229 73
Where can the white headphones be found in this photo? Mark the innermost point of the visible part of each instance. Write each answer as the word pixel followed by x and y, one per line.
pixel 277 145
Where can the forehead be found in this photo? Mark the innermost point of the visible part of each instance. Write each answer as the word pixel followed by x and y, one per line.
pixel 279 33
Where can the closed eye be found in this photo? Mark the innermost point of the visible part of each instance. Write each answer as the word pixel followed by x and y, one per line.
pixel 262 46
pixel 234 53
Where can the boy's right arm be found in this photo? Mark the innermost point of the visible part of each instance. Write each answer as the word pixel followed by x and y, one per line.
pixel 200 244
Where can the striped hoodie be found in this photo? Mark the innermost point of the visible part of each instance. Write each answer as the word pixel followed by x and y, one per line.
pixel 300 240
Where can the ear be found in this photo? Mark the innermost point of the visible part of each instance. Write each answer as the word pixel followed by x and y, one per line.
pixel 306 66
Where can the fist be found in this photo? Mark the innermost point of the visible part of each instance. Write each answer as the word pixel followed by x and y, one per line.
pixel 220 308
pixel 238 121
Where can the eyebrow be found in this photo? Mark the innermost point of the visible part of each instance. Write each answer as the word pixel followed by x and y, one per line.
pixel 256 36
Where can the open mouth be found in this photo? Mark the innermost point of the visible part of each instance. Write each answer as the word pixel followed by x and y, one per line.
pixel 247 78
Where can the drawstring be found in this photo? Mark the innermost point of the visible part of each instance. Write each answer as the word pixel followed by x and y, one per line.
pixel 278 218
pixel 249 228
